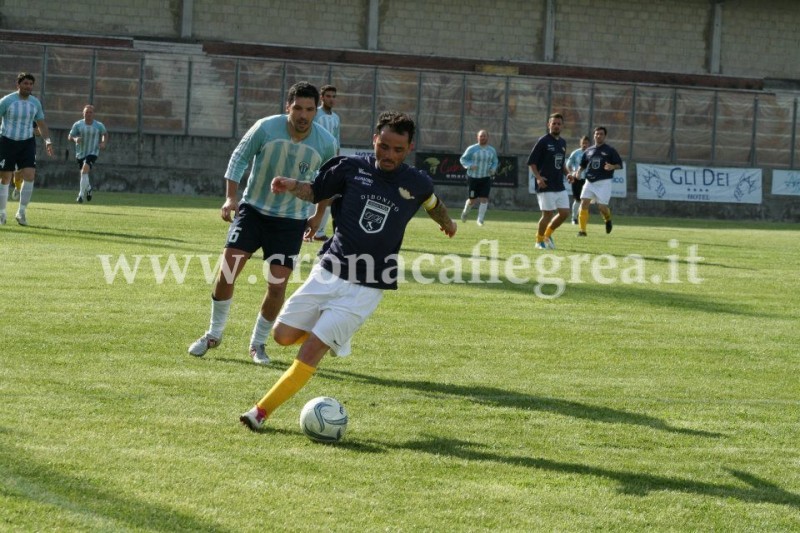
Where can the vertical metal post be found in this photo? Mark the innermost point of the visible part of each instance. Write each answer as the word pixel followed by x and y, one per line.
pixel 549 31
pixel 633 122
pixel 793 149
pixel 419 107
pixel 140 111
pixel 373 23
pixel 714 129
pixel 237 72
pixel 43 85
pixel 754 133
pixel 463 110
pixel 591 112
pixel 504 143
pixel 93 76
pixel 188 98
pixel 374 95
pixel 673 151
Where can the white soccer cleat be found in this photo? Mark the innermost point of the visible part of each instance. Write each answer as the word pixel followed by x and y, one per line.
pixel 21 220
pixel 259 354
pixel 540 246
pixel 254 418
pixel 201 345
pixel 550 243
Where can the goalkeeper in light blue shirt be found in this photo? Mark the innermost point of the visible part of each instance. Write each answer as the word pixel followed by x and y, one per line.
pixel 290 145
pixel 481 163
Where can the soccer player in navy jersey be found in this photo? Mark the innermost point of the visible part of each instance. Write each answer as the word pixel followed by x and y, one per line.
pixel 600 161
pixel 19 111
pixel 547 163
pixel 290 145
pixel 379 196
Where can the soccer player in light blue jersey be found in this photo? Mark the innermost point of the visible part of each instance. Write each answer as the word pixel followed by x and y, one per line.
pixel 328 119
pixel 19 110
pixel 481 162
pixel 90 136
pixel 576 177
pixel 289 145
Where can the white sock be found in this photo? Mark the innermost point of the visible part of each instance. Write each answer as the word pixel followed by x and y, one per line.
pixel 260 330
pixel 466 207
pixel 576 207
pixel 482 212
pixel 3 197
pixel 323 223
pixel 84 184
pixel 25 195
pixel 219 316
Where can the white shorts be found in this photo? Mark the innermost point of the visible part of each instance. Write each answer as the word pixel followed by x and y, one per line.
pixel 331 308
pixel 550 201
pixel 599 191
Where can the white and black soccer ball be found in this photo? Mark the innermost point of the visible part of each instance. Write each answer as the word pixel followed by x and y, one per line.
pixel 323 419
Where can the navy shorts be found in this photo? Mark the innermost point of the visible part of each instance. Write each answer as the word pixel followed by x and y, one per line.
pixel 89 160
pixel 279 238
pixel 479 187
pixel 17 154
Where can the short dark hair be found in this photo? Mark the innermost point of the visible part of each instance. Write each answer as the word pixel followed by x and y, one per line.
pixel 598 128
pixel 397 122
pixel 585 138
pixel 25 76
pixel 326 88
pixel 302 89
pixel 556 115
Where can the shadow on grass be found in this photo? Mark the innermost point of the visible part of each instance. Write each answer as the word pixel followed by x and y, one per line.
pixel 25 479
pixel 505 398
pixel 756 491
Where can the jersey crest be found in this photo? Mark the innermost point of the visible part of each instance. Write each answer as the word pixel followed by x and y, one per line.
pixel 373 217
pixel 304 166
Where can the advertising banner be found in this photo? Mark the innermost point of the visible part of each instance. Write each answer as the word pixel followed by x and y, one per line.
pixel 698 184
pixel 445 169
pixel 786 182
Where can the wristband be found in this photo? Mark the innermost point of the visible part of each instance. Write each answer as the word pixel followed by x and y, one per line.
pixel 48 141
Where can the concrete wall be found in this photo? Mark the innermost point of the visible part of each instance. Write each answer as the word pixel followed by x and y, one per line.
pixel 759 37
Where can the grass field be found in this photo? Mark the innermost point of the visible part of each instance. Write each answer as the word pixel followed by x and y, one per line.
pixel 622 404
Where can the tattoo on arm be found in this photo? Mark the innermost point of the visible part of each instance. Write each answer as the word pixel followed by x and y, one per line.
pixel 439 214
pixel 303 191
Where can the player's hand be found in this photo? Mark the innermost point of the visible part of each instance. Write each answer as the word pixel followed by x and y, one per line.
pixel 281 184
pixel 49 149
pixel 450 230
pixel 76 140
pixel 229 209
pixel 312 225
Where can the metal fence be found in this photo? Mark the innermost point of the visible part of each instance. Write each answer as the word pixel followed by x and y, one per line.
pixel 199 95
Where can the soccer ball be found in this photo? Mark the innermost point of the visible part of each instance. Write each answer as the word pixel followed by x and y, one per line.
pixel 323 419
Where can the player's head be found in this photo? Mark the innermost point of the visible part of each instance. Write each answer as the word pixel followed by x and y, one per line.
pixel 301 106
pixel 600 133
pixel 88 112
pixel 483 137
pixel 555 123
pixel 25 81
pixel 328 96
pixel 393 139
pixel 585 142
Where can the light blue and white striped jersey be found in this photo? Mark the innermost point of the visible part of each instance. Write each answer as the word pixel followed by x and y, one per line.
pixel 574 161
pixel 485 157
pixel 331 122
pixel 19 115
pixel 272 152
pixel 90 135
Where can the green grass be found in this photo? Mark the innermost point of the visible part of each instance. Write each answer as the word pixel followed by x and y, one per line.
pixel 616 406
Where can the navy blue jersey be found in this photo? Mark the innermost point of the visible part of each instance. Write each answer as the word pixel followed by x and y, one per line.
pixel 594 161
pixel 549 155
pixel 370 217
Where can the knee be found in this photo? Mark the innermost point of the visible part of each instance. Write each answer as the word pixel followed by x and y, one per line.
pixel 285 335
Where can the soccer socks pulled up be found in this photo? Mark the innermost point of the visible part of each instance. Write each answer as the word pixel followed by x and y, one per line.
pixel 25 195
pixel 548 232
pixel 606 217
pixel 3 197
pixel 84 185
pixel 466 208
pixel 260 330
pixel 583 219
pixel 294 379
pixel 482 212
pixel 219 316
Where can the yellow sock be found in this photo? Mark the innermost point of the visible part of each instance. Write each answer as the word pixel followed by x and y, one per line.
pixel 608 217
pixel 18 181
pixel 583 219
pixel 287 386
pixel 539 238
pixel 302 338
pixel 548 232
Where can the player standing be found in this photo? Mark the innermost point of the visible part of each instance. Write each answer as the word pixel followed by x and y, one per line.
pixel 90 136
pixel 546 162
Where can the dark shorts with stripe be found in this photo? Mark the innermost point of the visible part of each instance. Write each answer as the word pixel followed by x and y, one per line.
pixel 17 155
pixel 479 187
pixel 279 238
pixel 89 160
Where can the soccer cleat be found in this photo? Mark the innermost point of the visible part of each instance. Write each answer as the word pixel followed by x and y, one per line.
pixel 575 221
pixel 550 243
pixel 463 216
pixel 609 226
pixel 540 246
pixel 89 194
pixel 21 220
pixel 201 345
pixel 254 418
pixel 259 354
pixel 80 199
pixel 320 237
pixel 581 234
pixel 480 222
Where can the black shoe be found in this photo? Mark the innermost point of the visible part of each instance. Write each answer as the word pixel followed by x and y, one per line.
pixel 609 226
pixel 89 194
pixel 80 199
pixel 581 234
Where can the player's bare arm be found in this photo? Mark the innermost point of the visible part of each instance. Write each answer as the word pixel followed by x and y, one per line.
pixel 438 212
pixel 45 133
pixel 231 205
pixel 313 222
pixel 300 189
